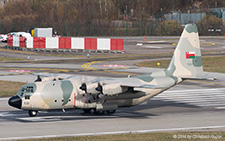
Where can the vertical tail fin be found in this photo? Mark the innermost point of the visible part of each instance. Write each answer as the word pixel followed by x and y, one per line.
pixel 186 60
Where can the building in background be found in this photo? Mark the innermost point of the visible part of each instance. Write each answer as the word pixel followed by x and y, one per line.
pixel 184 18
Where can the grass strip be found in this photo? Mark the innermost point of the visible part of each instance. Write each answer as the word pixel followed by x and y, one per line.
pixel 9 88
pixel 7 59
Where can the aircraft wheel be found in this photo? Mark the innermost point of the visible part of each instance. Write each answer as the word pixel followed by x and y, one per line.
pixel 110 111
pixel 87 110
pixel 99 112
pixel 32 113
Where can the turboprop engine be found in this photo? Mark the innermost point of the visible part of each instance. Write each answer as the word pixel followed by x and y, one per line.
pixel 111 89
pixel 107 89
pixel 90 88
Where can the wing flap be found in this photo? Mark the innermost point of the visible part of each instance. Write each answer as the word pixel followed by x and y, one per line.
pixel 199 78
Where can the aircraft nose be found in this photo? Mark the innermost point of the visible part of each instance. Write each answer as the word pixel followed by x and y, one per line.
pixel 15 101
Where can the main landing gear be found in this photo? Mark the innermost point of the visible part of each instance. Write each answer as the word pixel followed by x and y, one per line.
pixel 109 112
pixel 32 113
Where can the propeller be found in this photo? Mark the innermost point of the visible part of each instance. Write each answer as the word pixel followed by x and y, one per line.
pixel 99 88
pixel 83 87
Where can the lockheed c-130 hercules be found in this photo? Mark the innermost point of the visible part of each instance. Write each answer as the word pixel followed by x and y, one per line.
pixel 108 94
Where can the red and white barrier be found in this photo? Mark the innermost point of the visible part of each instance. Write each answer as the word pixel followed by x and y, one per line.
pixel 66 43
pixel 75 43
pixel 9 40
pixel 16 41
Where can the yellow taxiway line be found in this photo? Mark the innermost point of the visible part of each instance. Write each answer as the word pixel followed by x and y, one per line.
pixel 86 66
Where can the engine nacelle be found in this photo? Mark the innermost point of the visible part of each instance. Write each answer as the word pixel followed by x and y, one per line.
pixel 91 88
pixel 113 89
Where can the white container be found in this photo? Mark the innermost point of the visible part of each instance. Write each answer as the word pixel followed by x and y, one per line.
pixel 43 32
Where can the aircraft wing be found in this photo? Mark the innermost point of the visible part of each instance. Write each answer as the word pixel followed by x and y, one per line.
pixel 128 82
pixel 123 82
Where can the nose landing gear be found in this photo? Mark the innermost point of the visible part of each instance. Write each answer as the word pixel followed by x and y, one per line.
pixel 32 113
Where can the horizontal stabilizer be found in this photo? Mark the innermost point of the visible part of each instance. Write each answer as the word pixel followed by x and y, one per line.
pixel 199 78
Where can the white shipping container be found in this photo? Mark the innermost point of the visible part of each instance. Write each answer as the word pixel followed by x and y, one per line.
pixel 224 18
pixel 43 32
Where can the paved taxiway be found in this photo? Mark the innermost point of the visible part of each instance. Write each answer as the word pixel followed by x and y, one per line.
pixel 192 105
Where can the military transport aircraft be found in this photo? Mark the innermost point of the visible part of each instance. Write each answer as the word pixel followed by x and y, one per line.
pixel 107 94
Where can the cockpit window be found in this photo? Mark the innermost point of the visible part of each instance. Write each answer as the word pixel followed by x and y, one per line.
pixel 30 89
pixel 27 89
pixel 22 92
pixel 27 96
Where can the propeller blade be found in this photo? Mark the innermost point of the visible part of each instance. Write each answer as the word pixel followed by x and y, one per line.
pixel 99 88
pixel 83 87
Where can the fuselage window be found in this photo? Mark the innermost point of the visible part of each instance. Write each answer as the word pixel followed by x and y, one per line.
pixel 27 97
pixel 23 91
pixel 28 89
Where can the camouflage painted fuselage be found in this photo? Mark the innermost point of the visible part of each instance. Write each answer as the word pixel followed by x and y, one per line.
pixel 64 94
